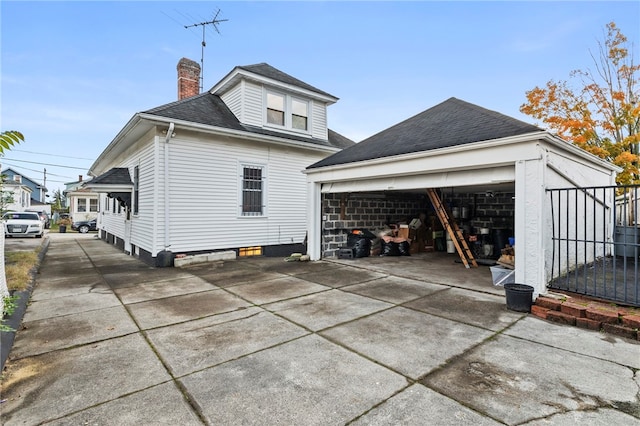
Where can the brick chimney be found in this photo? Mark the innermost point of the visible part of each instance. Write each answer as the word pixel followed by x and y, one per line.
pixel 188 78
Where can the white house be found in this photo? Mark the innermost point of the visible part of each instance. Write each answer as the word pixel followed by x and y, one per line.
pixel 216 171
pixel 82 202
pixel 16 196
pixel 498 167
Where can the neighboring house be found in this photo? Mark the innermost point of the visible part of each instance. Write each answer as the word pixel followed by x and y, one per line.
pixel 216 171
pixel 495 165
pixel 38 191
pixel 15 197
pixel 82 202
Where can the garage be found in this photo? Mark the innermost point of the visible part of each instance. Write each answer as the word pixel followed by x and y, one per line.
pixel 490 170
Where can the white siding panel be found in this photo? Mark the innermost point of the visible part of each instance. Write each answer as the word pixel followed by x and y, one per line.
pixel 204 191
pixel 319 120
pixel 253 104
pixel 142 225
pixel 233 100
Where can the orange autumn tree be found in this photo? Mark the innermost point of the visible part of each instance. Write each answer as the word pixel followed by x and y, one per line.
pixel 601 113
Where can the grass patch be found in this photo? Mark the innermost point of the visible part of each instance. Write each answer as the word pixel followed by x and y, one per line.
pixel 18 266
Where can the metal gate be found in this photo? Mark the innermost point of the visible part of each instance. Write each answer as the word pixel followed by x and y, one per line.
pixel 596 242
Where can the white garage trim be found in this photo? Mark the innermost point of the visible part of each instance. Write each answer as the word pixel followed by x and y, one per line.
pixel 533 162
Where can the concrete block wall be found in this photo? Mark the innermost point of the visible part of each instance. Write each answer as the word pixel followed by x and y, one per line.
pixel 362 211
pixel 485 211
pixel 494 211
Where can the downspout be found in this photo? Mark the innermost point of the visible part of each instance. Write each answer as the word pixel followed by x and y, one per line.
pixel 166 186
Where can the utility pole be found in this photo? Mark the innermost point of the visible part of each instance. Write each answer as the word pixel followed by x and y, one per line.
pixel 215 21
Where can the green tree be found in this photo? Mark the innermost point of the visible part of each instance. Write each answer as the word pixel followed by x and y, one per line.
pixel 8 139
pixel 58 200
pixel 600 111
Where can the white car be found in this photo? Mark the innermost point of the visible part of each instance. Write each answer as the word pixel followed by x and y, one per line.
pixel 19 224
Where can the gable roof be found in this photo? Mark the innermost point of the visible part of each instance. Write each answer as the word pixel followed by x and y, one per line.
pixel 115 176
pixel 265 70
pixel 210 110
pixel 36 184
pixel 450 123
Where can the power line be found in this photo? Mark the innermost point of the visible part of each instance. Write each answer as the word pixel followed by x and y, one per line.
pixel 34 170
pixel 47 164
pixel 52 155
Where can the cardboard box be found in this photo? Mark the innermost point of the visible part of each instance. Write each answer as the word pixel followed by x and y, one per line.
pixel 403 232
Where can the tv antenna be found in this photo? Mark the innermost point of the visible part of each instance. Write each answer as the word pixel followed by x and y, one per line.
pixel 215 21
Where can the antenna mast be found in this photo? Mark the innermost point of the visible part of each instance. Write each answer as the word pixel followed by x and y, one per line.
pixel 215 21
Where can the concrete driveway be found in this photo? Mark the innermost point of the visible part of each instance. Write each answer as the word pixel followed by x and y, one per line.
pixel 377 341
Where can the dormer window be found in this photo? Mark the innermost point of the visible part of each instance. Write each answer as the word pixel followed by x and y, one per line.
pixel 275 109
pixel 299 114
pixel 287 111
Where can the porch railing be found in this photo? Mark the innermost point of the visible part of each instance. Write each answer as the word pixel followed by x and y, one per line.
pixel 596 242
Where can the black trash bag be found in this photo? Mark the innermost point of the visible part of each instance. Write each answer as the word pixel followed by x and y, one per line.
pixel 353 239
pixel 404 248
pixel 362 247
pixel 363 232
pixel 389 249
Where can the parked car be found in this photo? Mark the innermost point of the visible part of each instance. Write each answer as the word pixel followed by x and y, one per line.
pixel 84 226
pixel 44 217
pixel 20 224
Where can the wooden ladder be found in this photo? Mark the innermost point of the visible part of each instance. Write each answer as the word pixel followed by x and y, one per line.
pixel 452 228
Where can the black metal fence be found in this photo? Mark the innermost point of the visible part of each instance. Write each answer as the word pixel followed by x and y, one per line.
pixel 596 242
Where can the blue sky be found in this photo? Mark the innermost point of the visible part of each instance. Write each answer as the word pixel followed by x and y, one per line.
pixel 74 73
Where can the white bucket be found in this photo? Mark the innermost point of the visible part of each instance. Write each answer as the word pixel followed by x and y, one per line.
pixel 451 248
pixel 487 249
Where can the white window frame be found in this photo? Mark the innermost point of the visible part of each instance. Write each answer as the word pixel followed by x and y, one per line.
pixel 288 112
pixel 264 189
pixel 84 205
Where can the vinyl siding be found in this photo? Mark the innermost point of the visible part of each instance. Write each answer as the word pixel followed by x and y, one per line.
pixel 253 104
pixel 319 120
pixel 142 225
pixel 109 221
pixel 246 101
pixel 142 229
pixel 233 100
pixel 204 194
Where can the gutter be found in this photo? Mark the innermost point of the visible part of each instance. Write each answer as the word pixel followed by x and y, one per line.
pixel 528 137
pixel 239 133
pixel 166 185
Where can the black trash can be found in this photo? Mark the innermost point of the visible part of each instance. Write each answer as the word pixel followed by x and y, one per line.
pixel 519 297
pixel 62 229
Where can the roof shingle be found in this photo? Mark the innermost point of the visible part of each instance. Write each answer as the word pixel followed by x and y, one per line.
pixel 450 123
pixel 209 109
pixel 115 176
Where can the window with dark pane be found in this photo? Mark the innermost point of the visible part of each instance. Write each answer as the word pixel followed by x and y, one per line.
pixel 252 191
pixel 136 188
pixel 299 114
pixel 275 109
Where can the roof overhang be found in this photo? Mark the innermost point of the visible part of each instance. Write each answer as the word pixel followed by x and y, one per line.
pixel 485 163
pixel 238 74
pixel 142 123
pixel 467 150
pixel 109 188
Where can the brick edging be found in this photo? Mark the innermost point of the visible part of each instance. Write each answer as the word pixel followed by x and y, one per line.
pixel 583 313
